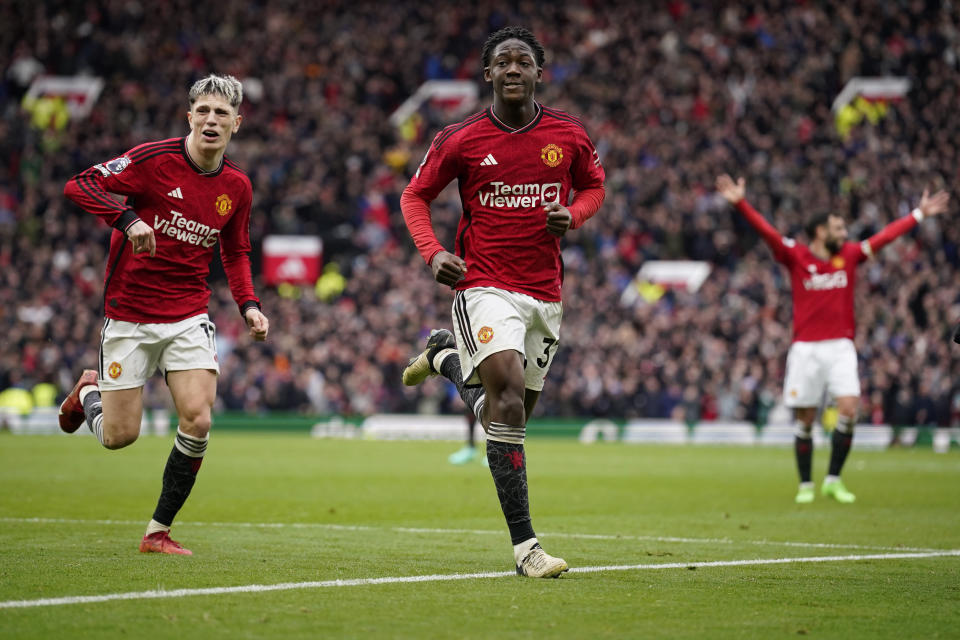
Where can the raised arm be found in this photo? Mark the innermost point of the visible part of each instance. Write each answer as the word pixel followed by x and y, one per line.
pixel 929 206
pixel 735 194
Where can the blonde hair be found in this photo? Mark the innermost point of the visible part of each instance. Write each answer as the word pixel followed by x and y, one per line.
pixel 227 87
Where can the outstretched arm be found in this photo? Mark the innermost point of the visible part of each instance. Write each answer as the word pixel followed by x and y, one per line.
pixel 735 194
pixel 929 206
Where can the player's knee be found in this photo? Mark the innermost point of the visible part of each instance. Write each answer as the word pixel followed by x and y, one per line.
pixel 196 423
pixel 506 407
pixel 117 435
pixel 845 423
pixel 803 430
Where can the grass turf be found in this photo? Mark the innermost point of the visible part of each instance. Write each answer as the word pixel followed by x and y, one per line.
pixel 347 510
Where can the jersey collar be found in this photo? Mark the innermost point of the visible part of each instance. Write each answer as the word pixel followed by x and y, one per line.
pixel 193 165
pixel 504 127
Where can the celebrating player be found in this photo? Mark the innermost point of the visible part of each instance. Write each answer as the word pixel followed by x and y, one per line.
pixel 516 163
pixel 822 356
pixel 183 196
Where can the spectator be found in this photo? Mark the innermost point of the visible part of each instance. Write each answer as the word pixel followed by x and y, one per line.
pixel 671 100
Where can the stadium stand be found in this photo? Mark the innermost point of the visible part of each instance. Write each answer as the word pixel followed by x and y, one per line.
pixel 674 93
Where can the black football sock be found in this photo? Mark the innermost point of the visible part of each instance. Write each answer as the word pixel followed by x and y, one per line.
pixel 179 475
pixel 508 466
pixel 470 422
pixel 473 395
pixel 803 450
pixel 841 442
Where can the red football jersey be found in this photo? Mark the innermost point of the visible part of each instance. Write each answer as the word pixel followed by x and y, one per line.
pixel 190 210
pixel 506 177
pixel 823 289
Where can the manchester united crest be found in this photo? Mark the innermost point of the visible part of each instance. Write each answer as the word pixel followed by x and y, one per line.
pixel 114 370
pixel 552 155
pixel 838 262
pixel 485 335
pixel 224 204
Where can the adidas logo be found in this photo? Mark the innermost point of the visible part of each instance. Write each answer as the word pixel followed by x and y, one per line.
pixel 176 193
pixel 488 161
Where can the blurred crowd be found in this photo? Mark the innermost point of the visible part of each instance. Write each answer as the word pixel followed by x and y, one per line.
pixel 672 93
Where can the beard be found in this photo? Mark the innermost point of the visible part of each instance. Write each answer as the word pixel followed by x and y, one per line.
pixel 833 246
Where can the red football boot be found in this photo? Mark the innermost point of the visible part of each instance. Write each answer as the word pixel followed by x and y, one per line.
pixel 71 409
pixel 160 542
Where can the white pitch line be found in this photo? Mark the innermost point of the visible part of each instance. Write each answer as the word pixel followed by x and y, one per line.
pixel 764 561
pixel 731 541
pixel 290 586
pixel 483 532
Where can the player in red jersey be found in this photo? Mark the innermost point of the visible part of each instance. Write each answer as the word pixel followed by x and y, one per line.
pixel 183 197
pixel 823 357
pixel 516 163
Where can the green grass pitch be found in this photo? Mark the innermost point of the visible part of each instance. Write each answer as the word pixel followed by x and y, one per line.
pixel 290 510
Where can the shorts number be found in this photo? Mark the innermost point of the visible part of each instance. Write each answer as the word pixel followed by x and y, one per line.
pixel 545 360
pixel 211 331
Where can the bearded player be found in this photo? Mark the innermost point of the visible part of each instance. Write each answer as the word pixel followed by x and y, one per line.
pixel 183 197
pixel 517 163
pixel 822 357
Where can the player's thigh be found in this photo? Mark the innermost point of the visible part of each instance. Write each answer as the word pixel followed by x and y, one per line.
pixel 843 379
pixel 190 344
pixel 129 353
pixel 848 405
pixel 485 322
pixel 542 339
pixel 502 377
pixel 190 366
pixel 122 413
pixel 530 398
pixel 501 372
pixel 804 382
pixel 194 392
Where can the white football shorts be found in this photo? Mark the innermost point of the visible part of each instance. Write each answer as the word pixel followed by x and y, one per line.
pixel 487 320
pixel 816 367
pixel 130 352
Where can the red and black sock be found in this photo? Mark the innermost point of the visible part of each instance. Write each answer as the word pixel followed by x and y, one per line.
pixel 179 475
pixel 803 450
pixel 508 466
pixel 841 443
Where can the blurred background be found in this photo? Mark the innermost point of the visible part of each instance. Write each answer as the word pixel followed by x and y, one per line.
pixel 672 93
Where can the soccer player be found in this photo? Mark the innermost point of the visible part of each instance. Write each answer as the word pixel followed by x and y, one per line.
pixel 516 163
pixel 183 197
pixel 823 357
